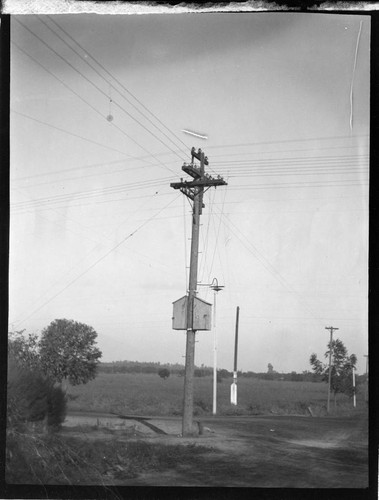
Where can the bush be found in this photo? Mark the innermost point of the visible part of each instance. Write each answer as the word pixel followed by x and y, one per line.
pixel 32 397
pixel 164 373
pixel 27 395
pixel 57 407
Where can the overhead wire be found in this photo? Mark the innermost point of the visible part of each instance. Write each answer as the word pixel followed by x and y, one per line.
pixel 185 243
pixel 216 248
pixel 101 76
pixel 119 83
pixel 203 258
pixel 106 237
pixel 264 261
pixel 288 141
pixel 82 195
pixel 292 150
pixel 100 91
pixel 293 159
pixel 296 185
pixel 76 94
pixel 96 262
pixel 70 133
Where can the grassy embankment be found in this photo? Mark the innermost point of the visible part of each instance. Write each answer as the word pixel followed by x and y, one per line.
pixel 149 395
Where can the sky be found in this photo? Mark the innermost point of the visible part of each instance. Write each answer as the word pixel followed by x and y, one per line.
pixel 99 105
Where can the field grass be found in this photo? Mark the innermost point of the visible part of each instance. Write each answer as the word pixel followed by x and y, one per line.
pixel 60 459
pixel 148 394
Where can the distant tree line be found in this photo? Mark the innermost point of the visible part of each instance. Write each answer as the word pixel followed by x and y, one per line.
pixel 177 369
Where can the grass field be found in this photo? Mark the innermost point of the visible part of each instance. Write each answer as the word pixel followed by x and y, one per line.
pixel 145 394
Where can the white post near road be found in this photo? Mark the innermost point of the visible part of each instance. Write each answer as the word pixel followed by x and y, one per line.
pixel 354 397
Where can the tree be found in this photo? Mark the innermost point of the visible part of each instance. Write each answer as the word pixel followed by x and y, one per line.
pixel 341 368
pixel 24 349
pixel 68 351
pixel 164 373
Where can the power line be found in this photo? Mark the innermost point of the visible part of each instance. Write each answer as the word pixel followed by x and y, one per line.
pixel 287 141
pixel 80 195
pixel 268 152
pixel 97 88
pixel 68 133
pixel 262 259
pixel 76 94
pixel 293 159
pixel 119 83
pixel 96 262
pixel 101 76
pixel 289 185
pixel 107 237
pixel 47 208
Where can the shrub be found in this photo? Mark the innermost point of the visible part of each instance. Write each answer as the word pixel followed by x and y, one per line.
pixel 32 397
pixel 164 373
pixel 57 406
pixel 27 395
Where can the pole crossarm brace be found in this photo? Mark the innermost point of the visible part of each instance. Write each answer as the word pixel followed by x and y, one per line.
pixel 205 181
pixel 200 178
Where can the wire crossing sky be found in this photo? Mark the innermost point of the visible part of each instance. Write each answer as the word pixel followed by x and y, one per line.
pixel 279 103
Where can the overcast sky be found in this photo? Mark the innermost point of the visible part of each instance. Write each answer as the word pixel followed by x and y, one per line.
pixel 98 235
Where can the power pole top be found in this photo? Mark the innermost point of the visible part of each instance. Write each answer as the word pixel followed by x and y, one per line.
pixel 200 180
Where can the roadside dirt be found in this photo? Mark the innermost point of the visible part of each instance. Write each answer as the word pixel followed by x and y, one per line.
pixel 285 452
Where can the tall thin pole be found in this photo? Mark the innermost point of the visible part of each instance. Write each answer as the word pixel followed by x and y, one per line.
pixel 236 341
pixel 233 389
pixel 187 424
pixel 354 397
pixel 331 328
pixel 214 409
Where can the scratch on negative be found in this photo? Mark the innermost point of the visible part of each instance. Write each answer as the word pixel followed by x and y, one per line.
pixel 352 79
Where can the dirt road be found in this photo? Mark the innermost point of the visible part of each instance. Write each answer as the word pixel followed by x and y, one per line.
pixel 284 452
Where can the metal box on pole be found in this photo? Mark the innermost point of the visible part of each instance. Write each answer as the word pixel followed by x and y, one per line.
pixel 202 314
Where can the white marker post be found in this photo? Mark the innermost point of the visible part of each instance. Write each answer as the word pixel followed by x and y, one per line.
pixel 354 397
pixel 233 388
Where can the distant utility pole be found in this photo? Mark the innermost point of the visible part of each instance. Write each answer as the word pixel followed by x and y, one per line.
pixel 194 190
pixel 366 395
pixel 331 328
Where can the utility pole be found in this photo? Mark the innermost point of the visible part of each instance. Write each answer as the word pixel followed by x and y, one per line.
pixel 366 395
pixel 194 190
pixel 331 328
pixel 233 389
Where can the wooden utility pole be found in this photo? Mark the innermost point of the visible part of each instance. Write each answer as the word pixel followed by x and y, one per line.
pixel 194 190
pixel 331 328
